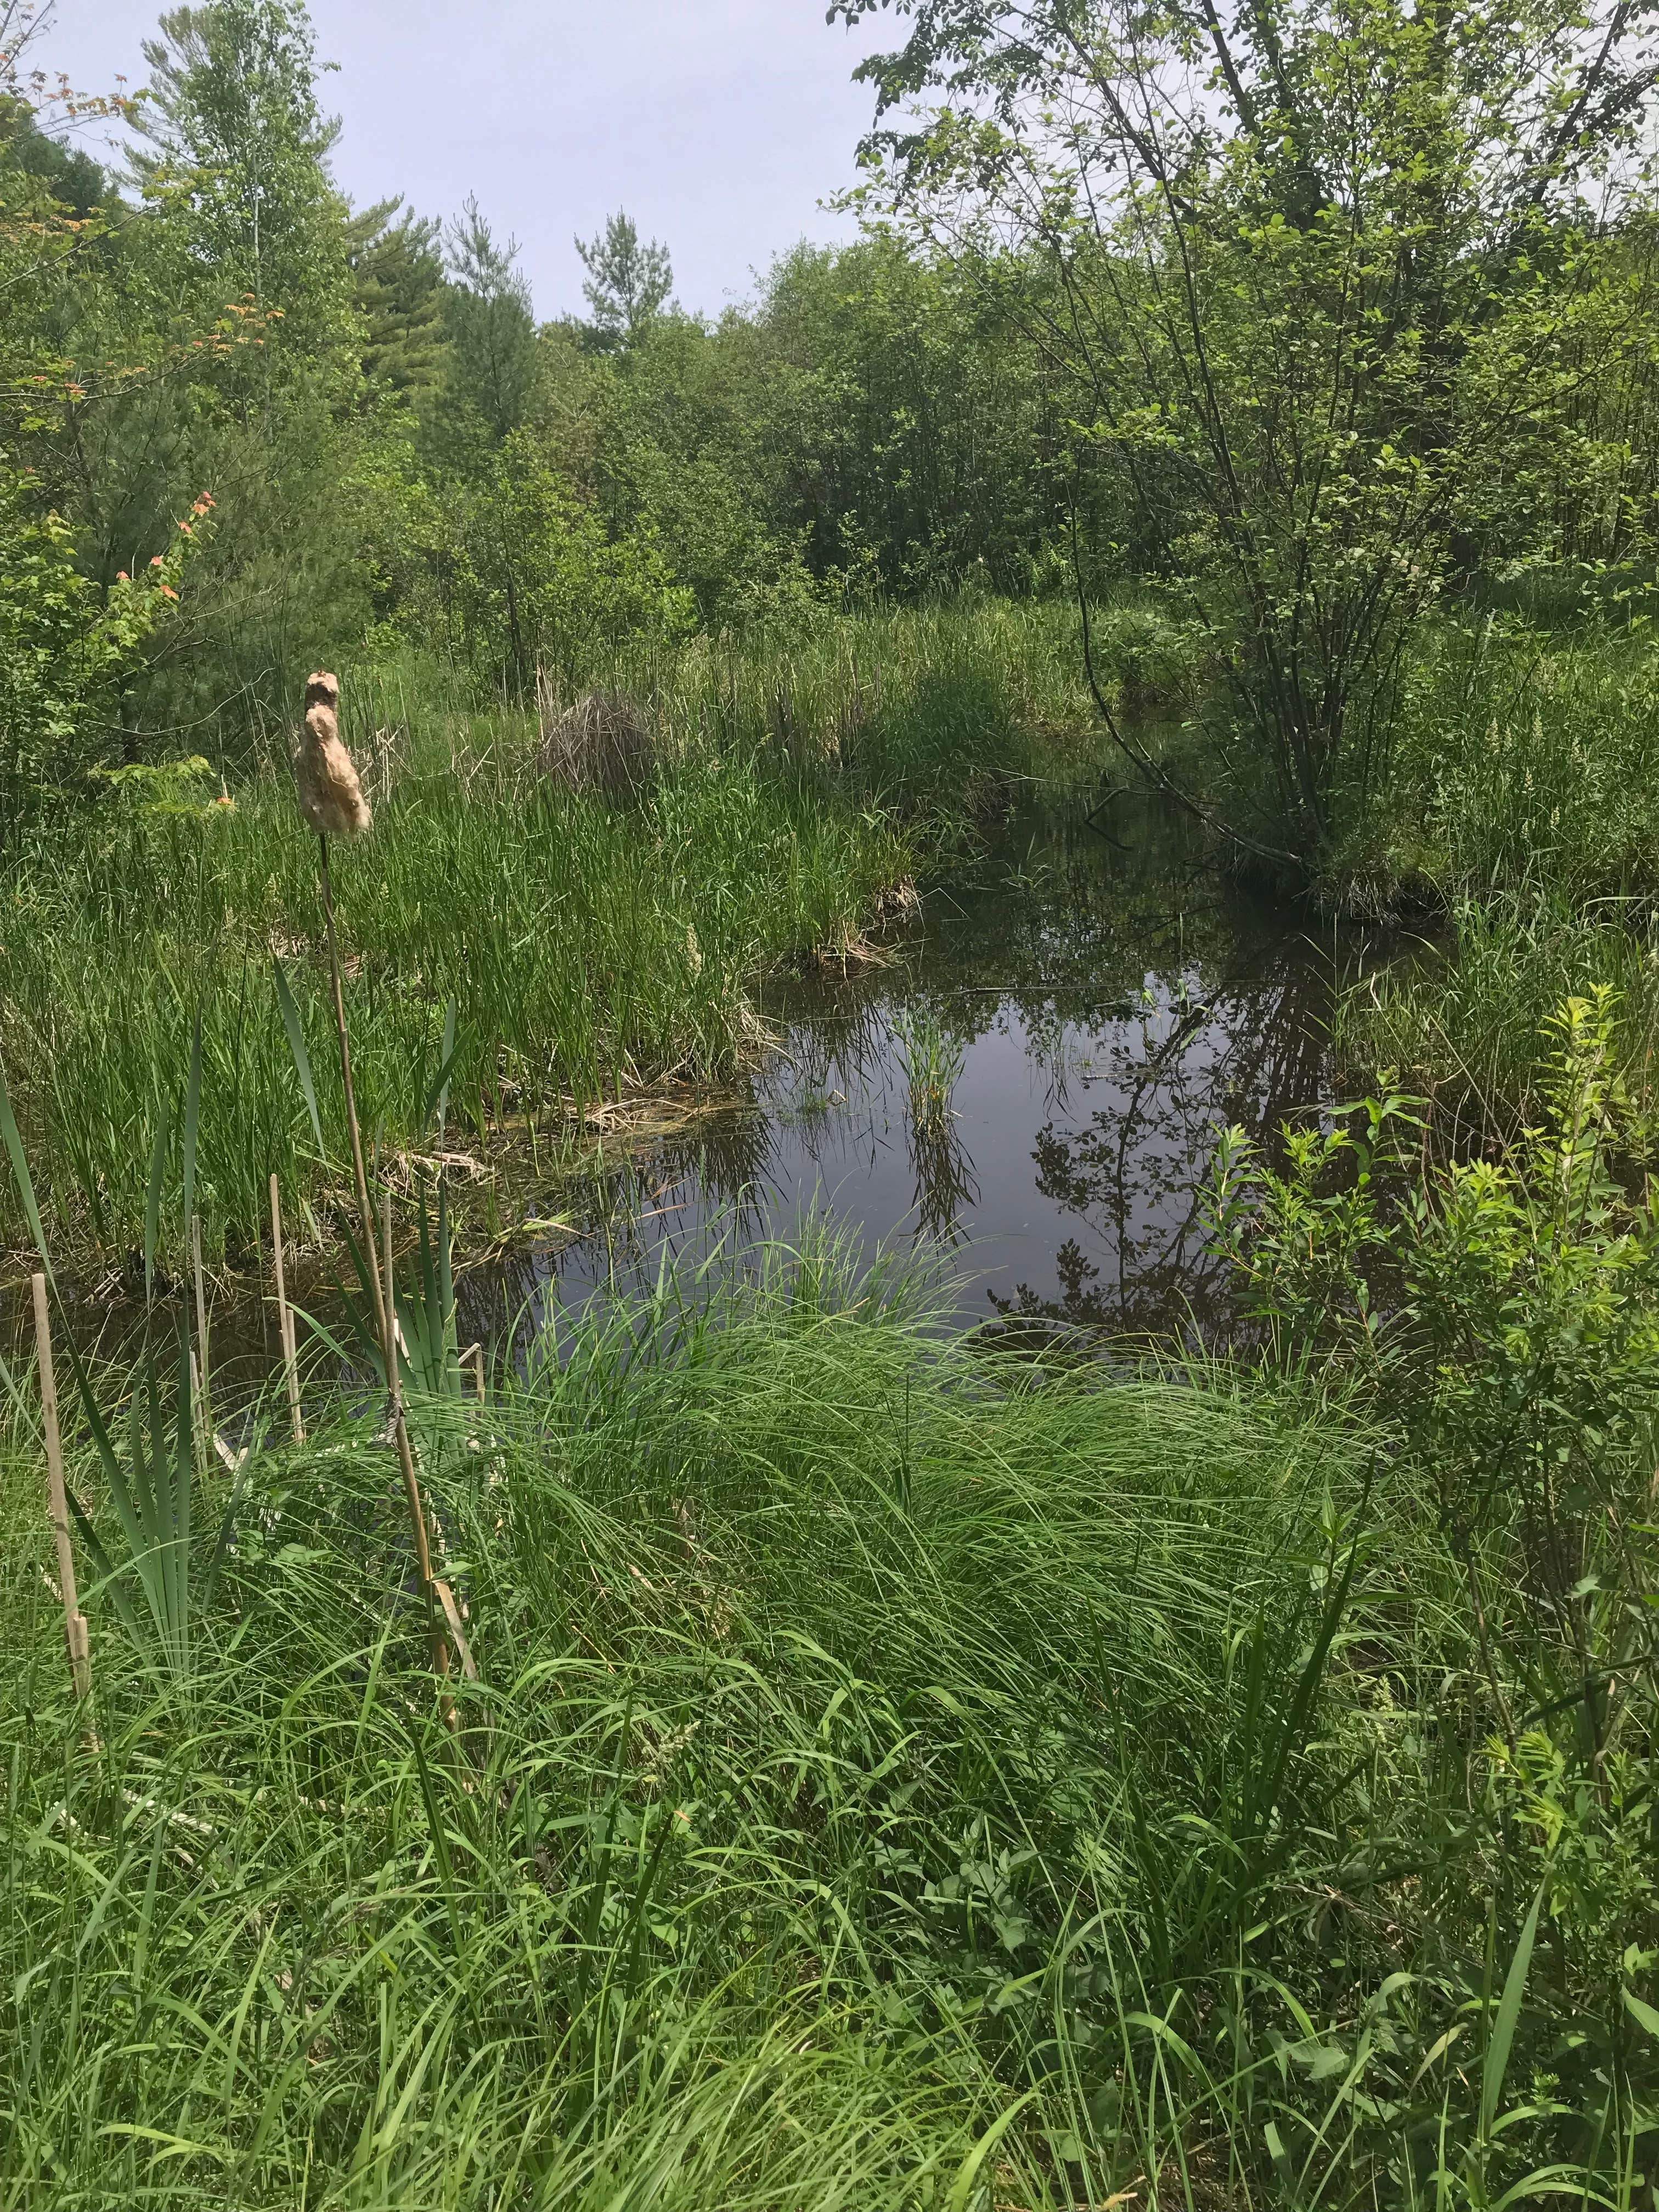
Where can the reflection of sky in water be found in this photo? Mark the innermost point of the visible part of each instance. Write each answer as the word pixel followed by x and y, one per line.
pixel 1114 1003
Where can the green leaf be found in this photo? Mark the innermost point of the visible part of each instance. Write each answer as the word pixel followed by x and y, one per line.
pixel 1643 2014
pixel 192 1116
pixel 296 1045
pixel 153 1202
pixel 108 1576
pixel 1509 2012
pixel 438 1096
pixel 1280 2157
pixel 962 2187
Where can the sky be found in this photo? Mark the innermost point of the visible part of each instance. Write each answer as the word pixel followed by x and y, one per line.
pixel 719 124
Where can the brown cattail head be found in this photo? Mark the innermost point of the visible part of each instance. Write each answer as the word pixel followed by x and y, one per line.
pixel 331 798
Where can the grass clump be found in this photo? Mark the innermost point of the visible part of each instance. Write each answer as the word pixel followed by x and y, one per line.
pixel 1522 819
pixel 890 1781
pixel 1468 1023
pixel 1533 756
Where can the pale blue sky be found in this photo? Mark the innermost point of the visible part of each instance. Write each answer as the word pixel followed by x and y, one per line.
pixel 718 123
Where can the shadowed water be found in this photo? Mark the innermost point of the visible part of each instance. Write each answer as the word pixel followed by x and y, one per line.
pixel 1107 998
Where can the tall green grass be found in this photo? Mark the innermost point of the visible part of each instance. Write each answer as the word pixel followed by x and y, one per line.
pixel 892 1782
pixel 1530 758
pixel 585 948
pixel 1526 812
pixel 1467 1023
pixel 907 699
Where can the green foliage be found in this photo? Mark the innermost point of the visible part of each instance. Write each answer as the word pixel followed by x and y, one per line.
pixel 539 584
pixel 1528 755
pixel 235 149
pixel 627 285
pixel 1498 1318
pixel 201 343
pixel 589 949
pixel 1523 807
pixel 887 1782
pixel 1465 1019
pixel 70 175
pixel 64 646
pixel 1328 288
pixel 397 277
pixel 492 339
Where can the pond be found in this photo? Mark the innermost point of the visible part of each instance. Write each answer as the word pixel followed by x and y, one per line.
pixel 1029 1084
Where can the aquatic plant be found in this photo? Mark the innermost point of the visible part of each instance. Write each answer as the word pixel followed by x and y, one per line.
pixel 930 1058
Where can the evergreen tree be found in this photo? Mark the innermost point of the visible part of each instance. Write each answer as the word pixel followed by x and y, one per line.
pixel 398 277
pixel 69 173
pixel 627 285
pixel 232 124
pixel 491 331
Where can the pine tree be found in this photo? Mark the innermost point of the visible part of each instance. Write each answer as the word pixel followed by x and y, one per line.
pixel 398 278
pixel 627 286
pixel 491 328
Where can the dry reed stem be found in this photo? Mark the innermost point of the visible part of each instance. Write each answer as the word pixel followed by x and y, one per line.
pixel 436 1638
pixel 74 1621
pixel 204 1410
pixel 285 1320
pixel 473 1356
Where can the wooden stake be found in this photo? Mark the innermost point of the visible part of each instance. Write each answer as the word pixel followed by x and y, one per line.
pixel 285 1320
pixel 391 1274
pixel 74 1621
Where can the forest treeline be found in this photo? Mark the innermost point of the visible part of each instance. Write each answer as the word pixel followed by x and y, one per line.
pixel 394 446
pixel 1351 328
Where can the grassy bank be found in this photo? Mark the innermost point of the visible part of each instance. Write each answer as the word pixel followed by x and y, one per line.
pixel 886 1786
pixel 1520 833
pixel 1530 756
pixel 589 945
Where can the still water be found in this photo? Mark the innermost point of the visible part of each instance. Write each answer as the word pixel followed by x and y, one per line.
pixel 1108 998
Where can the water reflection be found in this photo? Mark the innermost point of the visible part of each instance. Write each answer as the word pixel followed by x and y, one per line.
pixel 1112 999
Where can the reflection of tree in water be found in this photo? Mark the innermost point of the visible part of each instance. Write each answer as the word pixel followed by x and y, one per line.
pixel 1151 997
pixel 1136 1169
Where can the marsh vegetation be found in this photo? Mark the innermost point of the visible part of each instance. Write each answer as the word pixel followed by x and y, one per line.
pixel 758 1741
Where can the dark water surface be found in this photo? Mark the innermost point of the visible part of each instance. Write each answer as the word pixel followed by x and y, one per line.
pixel 1114 999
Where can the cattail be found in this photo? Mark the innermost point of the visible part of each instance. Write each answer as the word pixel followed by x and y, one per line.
pixel 331 798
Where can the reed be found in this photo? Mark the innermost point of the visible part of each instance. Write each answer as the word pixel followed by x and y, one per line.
pixel 1521 826
pixel 330 799
pixel 931 1057
pixel 1467 1022
pixel 1526 760
pixel 76 1635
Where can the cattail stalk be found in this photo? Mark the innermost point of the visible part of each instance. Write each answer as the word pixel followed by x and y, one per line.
pixel 285 1320
pixel 74 1621
pixel 332 800
pixel 204 1413
pixel 436 1638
